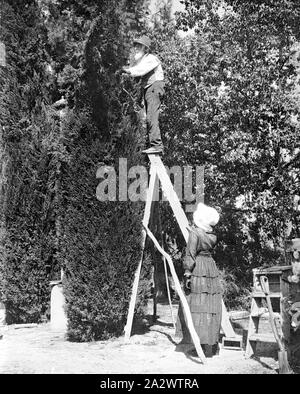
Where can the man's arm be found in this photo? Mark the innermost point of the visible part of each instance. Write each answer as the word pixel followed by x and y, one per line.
pixel 147 64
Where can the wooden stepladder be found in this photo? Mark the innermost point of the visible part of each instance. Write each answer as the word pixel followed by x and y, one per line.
pixel 157 169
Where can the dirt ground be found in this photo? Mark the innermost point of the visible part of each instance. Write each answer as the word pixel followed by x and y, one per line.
pixel 40 350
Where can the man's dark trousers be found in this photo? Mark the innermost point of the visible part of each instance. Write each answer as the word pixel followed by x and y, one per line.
pixel 153 96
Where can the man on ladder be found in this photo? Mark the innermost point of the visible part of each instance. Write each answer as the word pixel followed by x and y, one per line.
pixel 148 67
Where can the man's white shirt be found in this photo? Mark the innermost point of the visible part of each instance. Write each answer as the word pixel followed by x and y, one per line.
pixel 145 65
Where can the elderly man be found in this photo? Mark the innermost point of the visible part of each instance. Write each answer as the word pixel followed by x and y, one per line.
pixel 148 67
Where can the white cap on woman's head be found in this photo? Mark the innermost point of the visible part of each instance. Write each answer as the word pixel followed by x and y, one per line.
pixel 205 215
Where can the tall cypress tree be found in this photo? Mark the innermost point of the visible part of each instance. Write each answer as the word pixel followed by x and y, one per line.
pixel 27 230
pixel 99 245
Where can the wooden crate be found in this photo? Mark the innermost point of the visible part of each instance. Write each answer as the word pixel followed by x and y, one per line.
pixel 259 329
pixel 264 326
pixel 275 278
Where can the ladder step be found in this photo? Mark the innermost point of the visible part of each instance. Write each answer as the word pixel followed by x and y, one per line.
pixel 262 337
pixel 265 315
pixel 233 343
pixel 259 294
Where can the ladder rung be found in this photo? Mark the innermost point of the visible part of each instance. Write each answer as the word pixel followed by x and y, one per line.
pixel 258 337
pixel 265 315
pixel 258 294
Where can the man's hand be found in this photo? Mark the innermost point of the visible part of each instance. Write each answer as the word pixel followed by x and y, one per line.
pixel 122 71
pixel 125 69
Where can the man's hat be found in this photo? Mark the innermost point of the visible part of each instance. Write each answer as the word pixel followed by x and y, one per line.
pixel 144 40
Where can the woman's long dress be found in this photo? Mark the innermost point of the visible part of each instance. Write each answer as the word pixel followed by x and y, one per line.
pixel 205 298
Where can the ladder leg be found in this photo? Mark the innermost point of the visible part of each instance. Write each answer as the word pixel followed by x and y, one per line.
pixel 154 257
pixel 137 274
pixel 250 346
pixel 168 291
pixel 183 299
pixel 154 317
pixel 170 194
pixel 165 266
pixel 226 324
pixel 150 192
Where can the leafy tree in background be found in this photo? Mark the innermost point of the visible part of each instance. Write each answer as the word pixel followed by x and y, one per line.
pixel 229 107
